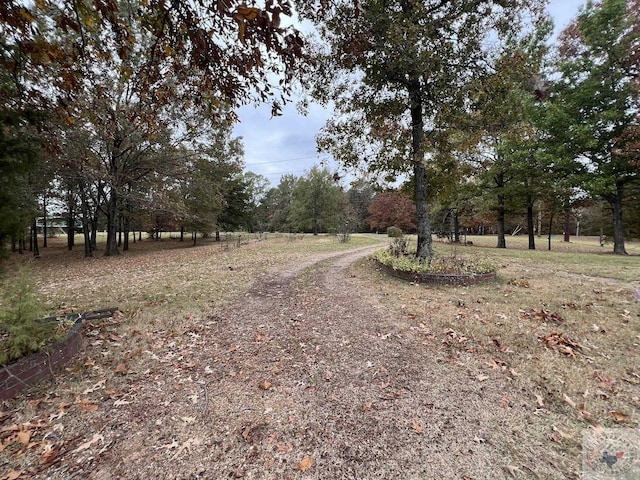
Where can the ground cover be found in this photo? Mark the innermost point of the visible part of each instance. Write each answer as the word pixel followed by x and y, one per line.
pixel 285 359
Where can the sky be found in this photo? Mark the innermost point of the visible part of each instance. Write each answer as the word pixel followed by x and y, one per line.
pixel 286 144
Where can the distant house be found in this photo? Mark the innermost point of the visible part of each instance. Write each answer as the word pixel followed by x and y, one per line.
pixel 56 225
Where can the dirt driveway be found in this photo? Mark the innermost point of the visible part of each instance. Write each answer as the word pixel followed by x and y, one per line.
pixel 308 376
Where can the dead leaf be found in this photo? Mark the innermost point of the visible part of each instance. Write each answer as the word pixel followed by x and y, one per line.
pixel 87 405
pixel 569 401
pixel 305 464
pixel 120 403
pixel 619 416
pixel 97 386
pixel 367 406
pixel 583 411
pixel 266 385
pixel 13 474
pixel 561 343
pixel 261 337
pixel 559 435
pixel 121 368
pixel 96 438
pixel 416 426
pixel 512 470
pixel 539 400
pixel 284 447
pixel 51 453
pixel 24 437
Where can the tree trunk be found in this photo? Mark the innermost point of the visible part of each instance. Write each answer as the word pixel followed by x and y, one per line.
pixel 86 223
pixel 539 222
pixel 456 227
pixel 424 247
pixel 530 227
pixel 182 233
pixel 94 232
pixel 125 227
pixel 36 249
pixel 567 225
pixel 119 231
pixel 44 221
pixel 618 227
pixel 550 229
pixel 502 243
pixel 112 224
pixel 70 232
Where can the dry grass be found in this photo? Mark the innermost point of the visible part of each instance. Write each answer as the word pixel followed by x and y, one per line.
pixel 588 375
pixel 204 363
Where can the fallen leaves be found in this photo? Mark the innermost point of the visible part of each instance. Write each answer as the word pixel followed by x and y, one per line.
pixel 543 315
pixel 84 446
pixel 561 343
pixel 87 405
pixel 305 464
pixel 265 385
pixel 415 425
pixel 619 416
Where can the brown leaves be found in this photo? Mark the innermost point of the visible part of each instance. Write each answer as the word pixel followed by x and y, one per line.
pixel 305 464
pixel 265 385
pixel 561 343
pixel 519 282
pixel 415 425
pixel 87 405
pixel 619 416
pixel 543 315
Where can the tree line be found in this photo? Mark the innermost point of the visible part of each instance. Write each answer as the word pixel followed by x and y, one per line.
pixel 120 112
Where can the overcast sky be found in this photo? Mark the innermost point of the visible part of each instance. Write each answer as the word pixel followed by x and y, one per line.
pixel 286 144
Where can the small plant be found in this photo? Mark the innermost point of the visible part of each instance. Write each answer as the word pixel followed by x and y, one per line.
pixel 19 310
pixel 399 247
pixel 394 232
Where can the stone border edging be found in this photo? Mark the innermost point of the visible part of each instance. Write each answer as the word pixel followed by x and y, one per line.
pixel 438 278
pixel 39 366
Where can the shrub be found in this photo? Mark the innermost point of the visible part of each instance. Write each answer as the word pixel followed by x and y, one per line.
pixel 442 265
pixel 19 311
pixel 394 232
pixel 399 247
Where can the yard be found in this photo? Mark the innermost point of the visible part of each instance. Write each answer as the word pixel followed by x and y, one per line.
pixel 295 357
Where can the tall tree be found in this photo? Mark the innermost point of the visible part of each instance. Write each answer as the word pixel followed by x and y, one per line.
pixel 396 70
pixel 276 205
pixel 596 100
pixel 315 202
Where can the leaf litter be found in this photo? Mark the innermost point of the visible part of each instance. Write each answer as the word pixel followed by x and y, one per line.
pixel 321 404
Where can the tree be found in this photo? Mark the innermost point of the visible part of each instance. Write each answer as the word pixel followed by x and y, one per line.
pixel 396 70
pixel 392 209
pixel 257 188
pixel 276 205
pixel 135 73
pixel 360 196
pixel 315 202
pixel 595 101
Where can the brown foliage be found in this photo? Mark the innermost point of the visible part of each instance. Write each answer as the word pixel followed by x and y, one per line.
pixel 392 209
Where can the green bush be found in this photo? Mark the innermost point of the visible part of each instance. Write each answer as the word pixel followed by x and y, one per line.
pixel 20 306
pixel 394 232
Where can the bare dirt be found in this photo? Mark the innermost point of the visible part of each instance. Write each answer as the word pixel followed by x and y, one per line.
pixel 310 375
